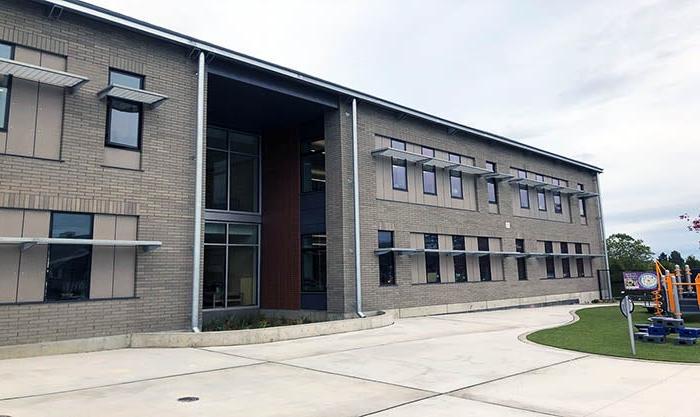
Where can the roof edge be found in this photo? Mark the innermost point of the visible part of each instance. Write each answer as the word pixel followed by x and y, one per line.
pixel 100 13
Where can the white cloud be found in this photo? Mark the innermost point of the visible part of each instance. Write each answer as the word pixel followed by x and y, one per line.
pixel 611 83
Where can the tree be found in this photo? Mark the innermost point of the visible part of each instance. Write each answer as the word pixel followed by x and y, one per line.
pixel 692 262
pixel 676 259
pixel 626 253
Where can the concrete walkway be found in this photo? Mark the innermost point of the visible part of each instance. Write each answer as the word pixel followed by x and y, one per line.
pixel 454 365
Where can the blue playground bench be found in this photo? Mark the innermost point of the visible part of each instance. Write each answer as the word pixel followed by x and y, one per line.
pixel 661 327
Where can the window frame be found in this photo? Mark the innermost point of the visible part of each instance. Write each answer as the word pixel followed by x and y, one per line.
pixel 485 274
pixel 541 200
pixel 110 100
pixel 457 175
pixel 48 257
pixel 403 164
pixel 558 209
pixel 565 261
pixel 526 204
pixel 433 256
pixel 461 257
pixel 521 262
pixel 429 169
pixel 388 255
pixel 550 269
pixel 8 96
pixel 582 212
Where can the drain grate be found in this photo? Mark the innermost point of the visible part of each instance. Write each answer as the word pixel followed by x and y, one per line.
pixel 183 400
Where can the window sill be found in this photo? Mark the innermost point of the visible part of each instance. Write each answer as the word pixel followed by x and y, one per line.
pixel 33 157
pixel 122 168
pixel 94 300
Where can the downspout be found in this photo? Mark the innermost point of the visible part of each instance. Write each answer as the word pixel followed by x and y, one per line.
pixel 602 234
pixel 356 200
pixel 197 252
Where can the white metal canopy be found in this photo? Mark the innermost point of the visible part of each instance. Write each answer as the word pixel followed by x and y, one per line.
pixel 449 252
pixel 149 98
pixel 28 242
pixel 41 74
pixel 437 162
pixel 552 187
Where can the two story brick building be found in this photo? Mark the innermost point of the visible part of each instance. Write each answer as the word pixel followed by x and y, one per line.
pixel 149 181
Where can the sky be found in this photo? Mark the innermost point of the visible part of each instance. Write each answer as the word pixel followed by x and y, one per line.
pixel 614 84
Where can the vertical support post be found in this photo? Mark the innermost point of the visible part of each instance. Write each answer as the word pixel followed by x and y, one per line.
pixel 628 306
pixel 356 200
pixel 199 174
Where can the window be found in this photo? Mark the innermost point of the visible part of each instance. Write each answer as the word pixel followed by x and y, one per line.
pixel 429 152
pixel 230 265
pixel 454 158
pixel 557 202
pixel 580 271
pixel 429 182
pixel 456 184
pixel 123 116
pixel 399 174
pixel 397 144
pixel 432 259
pixel 313 263
pixel 387 265
pixel 491 187
pixel 581 203
pixel 524 196
pixel 522 266
pixel 313 165
pixel 484 260
pixel 232 181
pixel 460 261
pixel 522 174
pixel 6 51
pixel 69 266
pixel 565 262
pixel 549 260
pixel 539 178
pixel 541 200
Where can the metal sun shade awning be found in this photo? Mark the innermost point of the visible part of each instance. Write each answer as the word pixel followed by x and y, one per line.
pixel 148 98
pixel 438 163
pixel 541 185
pixel 448 252
pixel 564 255
pixel 27 242
pixel 41 74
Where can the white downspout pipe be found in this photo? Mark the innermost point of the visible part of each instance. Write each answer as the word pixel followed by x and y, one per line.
pixel 356 200
pixel 197 252
pixel 602 233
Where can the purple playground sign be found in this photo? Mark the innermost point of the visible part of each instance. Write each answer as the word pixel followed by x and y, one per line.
pixel 640 280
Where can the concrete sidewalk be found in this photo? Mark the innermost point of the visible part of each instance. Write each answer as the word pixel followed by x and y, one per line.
pixel 453 365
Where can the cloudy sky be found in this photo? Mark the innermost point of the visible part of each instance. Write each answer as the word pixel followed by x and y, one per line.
pixel 615 84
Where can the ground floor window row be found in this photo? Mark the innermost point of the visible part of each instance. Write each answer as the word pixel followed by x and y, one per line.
pixel 61 256
pixel 437 258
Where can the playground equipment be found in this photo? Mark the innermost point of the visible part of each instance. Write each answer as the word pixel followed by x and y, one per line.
pixel 661 327
pixel 676 293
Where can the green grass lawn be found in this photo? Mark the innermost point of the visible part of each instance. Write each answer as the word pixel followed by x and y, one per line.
pixel 603 330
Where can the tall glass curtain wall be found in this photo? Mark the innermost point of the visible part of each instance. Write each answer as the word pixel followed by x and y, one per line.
pixel 313 228
pixel 231 248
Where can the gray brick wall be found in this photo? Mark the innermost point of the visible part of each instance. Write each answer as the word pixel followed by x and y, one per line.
pixel 405 218
pixel 161 194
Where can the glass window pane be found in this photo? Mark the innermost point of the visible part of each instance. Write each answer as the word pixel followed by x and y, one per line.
pixel 456 186
pixel 454 158
pixel 68 272
pixel 460 262
pixel 541 201
pixel 520 245
pixel 242 234
pixel 387 275
pixel 429 185
pixel 4 98
pixel 432 267
pixel 313 172
pixel 485 268
pixel 397 144
pixel 216 138
pixel 482 243
pixel 430 241
pixel 579 267
pixel 243 143
pixel 71 226
pixel 5 51
pixel 427 151
pixel 243 184
pixel 214 281
pixel 313 263
pixel 491 166
pixel 557 202
pixel 215 233
pixel 399 177
pixel 522 269
pixel 548 247
pixel 124 123
pixel 386 239
pixel 217 180
pixel 524 198
pixel 522 174
pixel 125 80
pixel 491 187
pixel 550 267
pixel 566 267
pixel 242 276
pixel 458 243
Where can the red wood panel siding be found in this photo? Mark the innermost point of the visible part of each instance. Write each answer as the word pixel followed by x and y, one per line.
pixel 280 271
